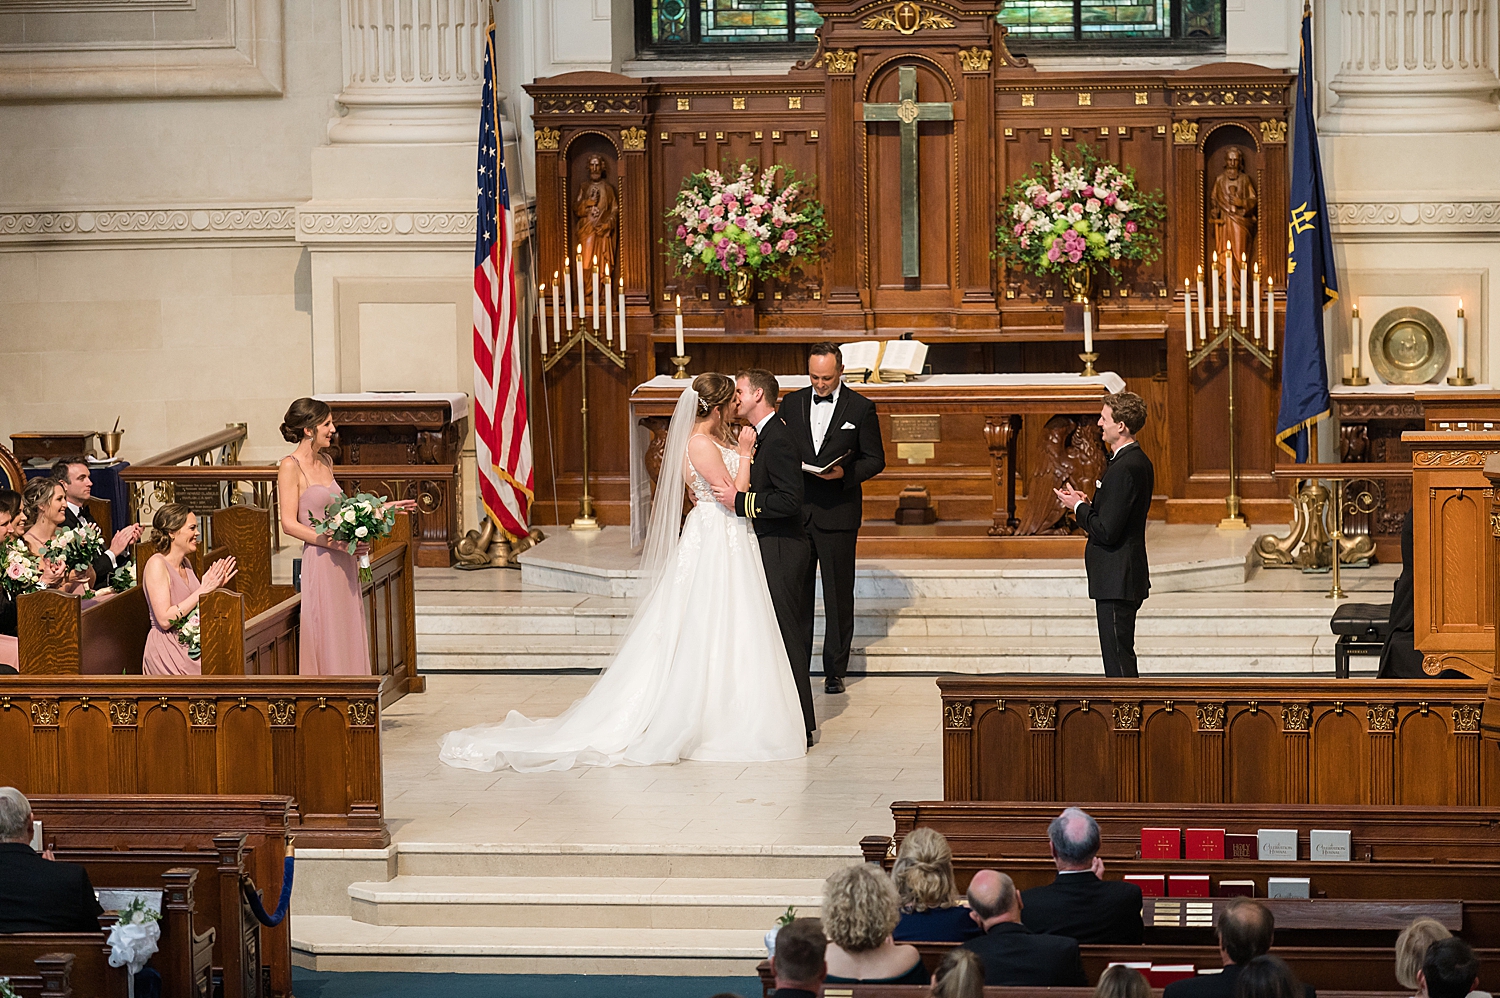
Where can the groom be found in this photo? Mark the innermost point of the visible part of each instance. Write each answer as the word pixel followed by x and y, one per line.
pixel 773 504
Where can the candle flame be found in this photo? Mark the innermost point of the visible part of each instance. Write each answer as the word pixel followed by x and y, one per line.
pixel 554 277
pixel 1356 311
pixel 679 303
pixel 1200 271
pixel 579 250
pixel 596 260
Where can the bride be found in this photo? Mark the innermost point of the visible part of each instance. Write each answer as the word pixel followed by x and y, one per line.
pixel 702 673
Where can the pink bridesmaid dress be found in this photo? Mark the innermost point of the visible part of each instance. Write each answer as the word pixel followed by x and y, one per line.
pixel 165 655
pixel 333 642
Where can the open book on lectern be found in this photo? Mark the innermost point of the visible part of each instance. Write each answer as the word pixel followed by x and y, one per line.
pixel 896 360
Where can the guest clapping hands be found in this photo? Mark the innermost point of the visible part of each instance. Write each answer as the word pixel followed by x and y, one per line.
pixel 78 488
pixel 173 590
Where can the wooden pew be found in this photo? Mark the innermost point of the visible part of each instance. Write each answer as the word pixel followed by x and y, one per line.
pixel 314 739
pixel 85 954
pixel 53 978
pixel 1208 741
pixel 68 635
pixel 123 841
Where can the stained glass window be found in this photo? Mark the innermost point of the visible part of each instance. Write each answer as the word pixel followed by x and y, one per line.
pixel 718 23
pixel 1112 20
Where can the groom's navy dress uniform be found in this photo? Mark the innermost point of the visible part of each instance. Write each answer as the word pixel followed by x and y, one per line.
pixel 1115 556
pixel 773 504
pixel 832 510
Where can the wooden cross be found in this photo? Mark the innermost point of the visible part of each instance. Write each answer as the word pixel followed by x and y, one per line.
pixel 908 111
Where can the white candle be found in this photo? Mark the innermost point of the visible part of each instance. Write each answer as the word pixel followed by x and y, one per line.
pixel 1088 328
pixel 681 349
pixel 1357 336
pixel 582 305
pixel 1202 324
pixel 556 313
pixel 1214 281
pixel 1187 312
pixel 1255 302
pixel 1244 291
pixel 1270 317
pixel 568 289
pixel 609 311
pixel 622 314
pixel 595 272
pixel 541 316
pixel 1463 337
pixel 1228 287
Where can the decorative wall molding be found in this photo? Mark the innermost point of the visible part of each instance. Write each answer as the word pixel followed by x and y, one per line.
pixel 257 223
pixel 1379 217
pixel 356 225
pixel 211 48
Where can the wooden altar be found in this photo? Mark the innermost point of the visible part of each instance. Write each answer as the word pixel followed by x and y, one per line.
pixel 640 137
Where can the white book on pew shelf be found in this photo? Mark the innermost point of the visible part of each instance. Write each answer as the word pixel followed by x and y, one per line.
pixel 1277 843
pixel 36 836
pixel 1326 845
pixel 898 360
pixel 1288 887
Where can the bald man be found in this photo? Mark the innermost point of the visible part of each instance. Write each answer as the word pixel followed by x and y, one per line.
pixel 1080 904
pixel 1012 953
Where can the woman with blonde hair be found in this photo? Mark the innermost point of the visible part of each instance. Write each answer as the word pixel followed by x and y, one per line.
pixel 1120 981
pixel 1412 945
pixel 860 909
pixel 923 876
pixel 173 590
pixel 960 975
pixel 45 507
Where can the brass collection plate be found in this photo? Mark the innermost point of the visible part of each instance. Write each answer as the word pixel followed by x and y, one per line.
pixel 1408 346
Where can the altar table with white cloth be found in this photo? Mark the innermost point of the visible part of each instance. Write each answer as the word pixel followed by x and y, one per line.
pixel 965 437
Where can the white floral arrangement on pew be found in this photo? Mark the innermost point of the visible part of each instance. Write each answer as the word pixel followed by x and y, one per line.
pixel 21 572
pixel 358 519
pixel 133 939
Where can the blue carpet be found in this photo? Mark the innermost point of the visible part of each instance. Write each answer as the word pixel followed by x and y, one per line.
pixel 316 984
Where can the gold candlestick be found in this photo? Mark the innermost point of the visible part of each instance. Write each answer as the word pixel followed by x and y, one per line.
pixel 682 363
pixel 1088 364
pixel 1355 378
pixel 1230 336
pixel 1460 378
pixel 583 338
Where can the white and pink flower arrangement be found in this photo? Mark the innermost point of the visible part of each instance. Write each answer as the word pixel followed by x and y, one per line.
pixel 765 223
pixel 1072 217
pixel 20 570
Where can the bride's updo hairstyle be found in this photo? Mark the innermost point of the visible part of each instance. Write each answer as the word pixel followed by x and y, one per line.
pixel 714 391
pixel 301 416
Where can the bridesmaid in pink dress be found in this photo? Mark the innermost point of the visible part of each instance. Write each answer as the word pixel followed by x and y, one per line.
pixel 333 636
pixel 173 590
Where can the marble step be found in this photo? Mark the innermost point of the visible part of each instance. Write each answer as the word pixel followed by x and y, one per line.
pixel 596 902
pixel 338 943
pixel 765 862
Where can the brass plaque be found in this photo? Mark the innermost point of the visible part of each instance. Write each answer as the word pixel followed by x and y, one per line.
pixel 916 429
pixel 916 453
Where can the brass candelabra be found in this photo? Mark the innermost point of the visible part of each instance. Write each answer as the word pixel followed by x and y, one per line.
pixel 583 338
pixel 1227 336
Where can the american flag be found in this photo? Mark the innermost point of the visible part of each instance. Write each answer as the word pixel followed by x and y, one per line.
pixel 502 435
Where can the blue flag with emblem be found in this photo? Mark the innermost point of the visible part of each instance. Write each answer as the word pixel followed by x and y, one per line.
pixel 1311 283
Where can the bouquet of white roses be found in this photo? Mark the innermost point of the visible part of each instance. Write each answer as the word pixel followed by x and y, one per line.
pixel 76 547
pixel 355 520
pixel 123 578
pixel 186 627
pixel 20 570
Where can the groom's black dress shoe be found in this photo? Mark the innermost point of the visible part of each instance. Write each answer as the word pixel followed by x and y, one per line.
pixel 833 684
pixel 809 740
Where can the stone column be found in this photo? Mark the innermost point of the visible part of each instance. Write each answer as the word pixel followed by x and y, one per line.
pixel 1415 66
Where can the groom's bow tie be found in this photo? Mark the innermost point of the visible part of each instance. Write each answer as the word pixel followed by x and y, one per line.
pixel 821 398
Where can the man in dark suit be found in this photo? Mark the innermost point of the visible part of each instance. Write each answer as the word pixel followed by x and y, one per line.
pixel 798 962
pixel 832 422
pixel 1079 904
pixel 1245 930
pixel 1012 953
pixel 78 487
pixel 38 894
pixel 773 504
pixel 1115 521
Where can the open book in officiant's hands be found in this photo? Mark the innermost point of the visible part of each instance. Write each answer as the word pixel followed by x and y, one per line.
pixel 827 467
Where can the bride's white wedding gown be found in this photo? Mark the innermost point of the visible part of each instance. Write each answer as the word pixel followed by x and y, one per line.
pixel 702 673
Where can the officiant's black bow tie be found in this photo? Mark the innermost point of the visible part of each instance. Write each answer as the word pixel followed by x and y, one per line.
pixel 822 398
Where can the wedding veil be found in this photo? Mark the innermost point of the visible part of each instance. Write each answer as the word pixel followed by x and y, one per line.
pixel 666 507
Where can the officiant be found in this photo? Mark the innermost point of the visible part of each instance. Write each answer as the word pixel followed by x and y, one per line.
pixel 838 433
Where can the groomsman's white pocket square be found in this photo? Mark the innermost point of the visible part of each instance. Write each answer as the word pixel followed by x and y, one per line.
pixel 847 426
pixel 1098 484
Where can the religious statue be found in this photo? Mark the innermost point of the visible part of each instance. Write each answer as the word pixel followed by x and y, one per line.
pixel 1234 208
pixel 598 211
pixel 1071 453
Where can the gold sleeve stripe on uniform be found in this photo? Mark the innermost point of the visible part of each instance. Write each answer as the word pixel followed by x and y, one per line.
pixel 750 505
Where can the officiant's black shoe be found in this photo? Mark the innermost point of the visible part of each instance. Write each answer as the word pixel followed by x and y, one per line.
pixel 809 740
pixel 833 684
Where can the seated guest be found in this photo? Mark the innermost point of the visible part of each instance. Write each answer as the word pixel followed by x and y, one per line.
pixel 798 962
pixel 1411 948
pixel 173 590
pixel 1120 981
pixel 923 875
pixel 1078 904
pixel 860 908
pixel 78 487
pixel 44 508
pixel 12 524
pixel 1449 970
pixel 1245 929
pixel 1265 977
pixel 1012 953
pixel 960 975
pixel 38 894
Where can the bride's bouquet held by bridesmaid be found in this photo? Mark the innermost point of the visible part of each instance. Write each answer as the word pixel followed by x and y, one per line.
pixel 357 520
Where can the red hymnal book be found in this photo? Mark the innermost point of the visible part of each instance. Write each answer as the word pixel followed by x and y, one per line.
pixel 1188 886
pixel 1160 975
pixel 1152 885
pixel 1204 843
pixel 1161 843
pixel 1241 847
pixel 1236 889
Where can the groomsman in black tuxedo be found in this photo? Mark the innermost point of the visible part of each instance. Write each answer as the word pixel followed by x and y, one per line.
pixel 833 424
pixel 773 505
pixel 1115 521
pixel 78 487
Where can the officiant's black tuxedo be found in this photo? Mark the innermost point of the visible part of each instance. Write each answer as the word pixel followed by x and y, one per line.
pixel 103 566
pixel 1115 556
pixel 773 504
pixel 832 510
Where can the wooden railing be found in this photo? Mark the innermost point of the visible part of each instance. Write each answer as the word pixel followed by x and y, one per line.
pixel 201 451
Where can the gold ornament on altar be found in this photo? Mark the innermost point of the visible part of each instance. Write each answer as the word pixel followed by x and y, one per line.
pixel 547 139
pixel 840 62
pixel 1185 133
pixel 1273 131
pixel 908 19
pixel 633 139
pixel 975 60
